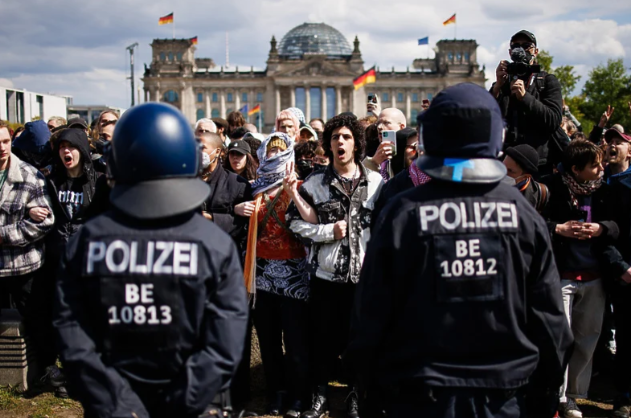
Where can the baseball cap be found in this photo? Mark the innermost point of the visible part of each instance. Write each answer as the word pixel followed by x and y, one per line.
pixel 462 132
pixel 526 34
pixel 239 146
pixel 77 123
pixel 612 133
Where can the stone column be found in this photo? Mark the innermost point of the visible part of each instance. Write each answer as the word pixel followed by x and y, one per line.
pixel 277 104
pixel 323 106
pixel 292 91
pixel 351 101
pixel 207 110
pixel 251 101
pixel 237 100
pixel 156 94
pixel 338 100
pixel 307 103
pixel 222 109
pixel 393 99
pixel 408 109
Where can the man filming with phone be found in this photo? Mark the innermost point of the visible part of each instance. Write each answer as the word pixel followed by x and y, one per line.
pixel 531 102
pixel 390 121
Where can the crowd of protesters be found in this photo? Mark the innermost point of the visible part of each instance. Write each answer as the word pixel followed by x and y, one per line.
pixel 300 203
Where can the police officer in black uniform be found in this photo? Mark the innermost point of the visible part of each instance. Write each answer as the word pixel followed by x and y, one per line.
pixel 459 307
pixel 151 309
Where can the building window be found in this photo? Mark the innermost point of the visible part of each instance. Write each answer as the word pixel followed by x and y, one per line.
pixel 215 98
pixel 315 102
pixel 331 111
pixel 450 56
pixel 385 97
pixel 415 97
pixel 244 97
pixel 179 56
pixel 413 116
pixel 430 96
pixel 163 57
pixel 171 56
pixel 200 97
pixel 301 100
pixel 229 98
pixel 200 114
pixel 399 97
pixel 214 113
pixel 259 97
pixel 228 111
pixel 466 56
pixel 459 56
pixel 171 96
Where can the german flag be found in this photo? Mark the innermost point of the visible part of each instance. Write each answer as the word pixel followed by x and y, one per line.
pixel 193 40
pixel 255 109
pixel 165 20
pixel 368 77
pixel 450 20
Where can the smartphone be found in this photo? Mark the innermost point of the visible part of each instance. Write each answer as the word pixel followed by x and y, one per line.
pixel 390 136
pixel 372 99
pixel 425 102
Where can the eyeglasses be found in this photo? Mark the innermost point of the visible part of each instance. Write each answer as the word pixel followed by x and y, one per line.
pixel 108 122
pixel 525 45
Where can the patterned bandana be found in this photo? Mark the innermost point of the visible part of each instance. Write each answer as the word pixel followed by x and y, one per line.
pixel 271 171
pixel 417 176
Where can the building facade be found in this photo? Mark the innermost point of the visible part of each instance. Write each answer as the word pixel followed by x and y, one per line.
pixel 312 68
pixel 21 106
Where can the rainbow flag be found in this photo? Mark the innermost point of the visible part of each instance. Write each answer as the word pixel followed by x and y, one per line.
pixel 255 109
pixel 193 40
pixel 165 20
pixel 450 20
pixel 368 77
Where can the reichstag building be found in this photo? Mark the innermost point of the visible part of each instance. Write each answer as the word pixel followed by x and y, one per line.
pixel 312 68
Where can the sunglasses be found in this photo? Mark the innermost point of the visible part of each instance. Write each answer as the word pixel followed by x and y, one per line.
pixel 109 122
pixel 51 127
pixel 525 45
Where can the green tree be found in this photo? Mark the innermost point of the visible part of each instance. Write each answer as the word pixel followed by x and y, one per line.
pixel 608 85
pixel 544 59
pixel 567 78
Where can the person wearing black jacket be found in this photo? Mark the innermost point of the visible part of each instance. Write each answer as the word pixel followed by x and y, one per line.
pixel 228 190
pixel 579 219
pixel 151 309
pixel 458 309
pixel 532 106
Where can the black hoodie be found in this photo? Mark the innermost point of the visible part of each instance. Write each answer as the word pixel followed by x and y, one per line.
pixel 71 197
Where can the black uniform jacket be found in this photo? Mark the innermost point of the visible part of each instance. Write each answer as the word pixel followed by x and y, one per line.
pixel 459 292
pixel 227 191
pixel 150 316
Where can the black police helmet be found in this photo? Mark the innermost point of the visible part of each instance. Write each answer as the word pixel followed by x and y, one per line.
pixel 155 163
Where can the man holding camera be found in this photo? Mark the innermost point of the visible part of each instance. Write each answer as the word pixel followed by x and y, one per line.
pixel 531 102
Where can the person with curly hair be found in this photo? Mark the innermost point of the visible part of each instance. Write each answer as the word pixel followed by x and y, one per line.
pixel 331 212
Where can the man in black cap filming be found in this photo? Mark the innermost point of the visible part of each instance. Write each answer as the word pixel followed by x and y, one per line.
pixel 151 308
pixel 531 102
pixel 475 325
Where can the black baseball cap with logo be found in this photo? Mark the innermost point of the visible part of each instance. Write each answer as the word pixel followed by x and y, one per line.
pixel 239 146
pixel 525 34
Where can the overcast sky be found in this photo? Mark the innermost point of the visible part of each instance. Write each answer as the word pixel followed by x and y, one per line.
pixel 78 47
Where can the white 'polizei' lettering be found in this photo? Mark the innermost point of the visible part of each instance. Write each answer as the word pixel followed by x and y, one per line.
pixel 160 257
pixel 484 215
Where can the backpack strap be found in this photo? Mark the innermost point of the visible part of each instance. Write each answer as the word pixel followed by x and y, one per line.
pixel 540 81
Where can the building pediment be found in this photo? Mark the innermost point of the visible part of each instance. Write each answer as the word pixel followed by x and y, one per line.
pixel 316 67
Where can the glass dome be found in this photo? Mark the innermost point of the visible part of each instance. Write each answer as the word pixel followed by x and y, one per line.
pixel 318 38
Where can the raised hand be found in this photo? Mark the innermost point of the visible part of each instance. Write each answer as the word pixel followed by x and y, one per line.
pixel 339 230
pixel 290 182
pixel 606 116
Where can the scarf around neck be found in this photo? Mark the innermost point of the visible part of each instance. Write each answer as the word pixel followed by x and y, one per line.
pixel 417 176
pixel 580 189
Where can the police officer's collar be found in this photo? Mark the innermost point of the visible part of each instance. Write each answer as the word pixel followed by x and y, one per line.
pixel 473 170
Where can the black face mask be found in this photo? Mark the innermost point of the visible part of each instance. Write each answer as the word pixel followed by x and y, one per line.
pixel 304 168
pixel 318 167
pixel 101 145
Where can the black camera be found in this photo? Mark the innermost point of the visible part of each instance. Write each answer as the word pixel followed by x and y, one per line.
pixel 520 67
